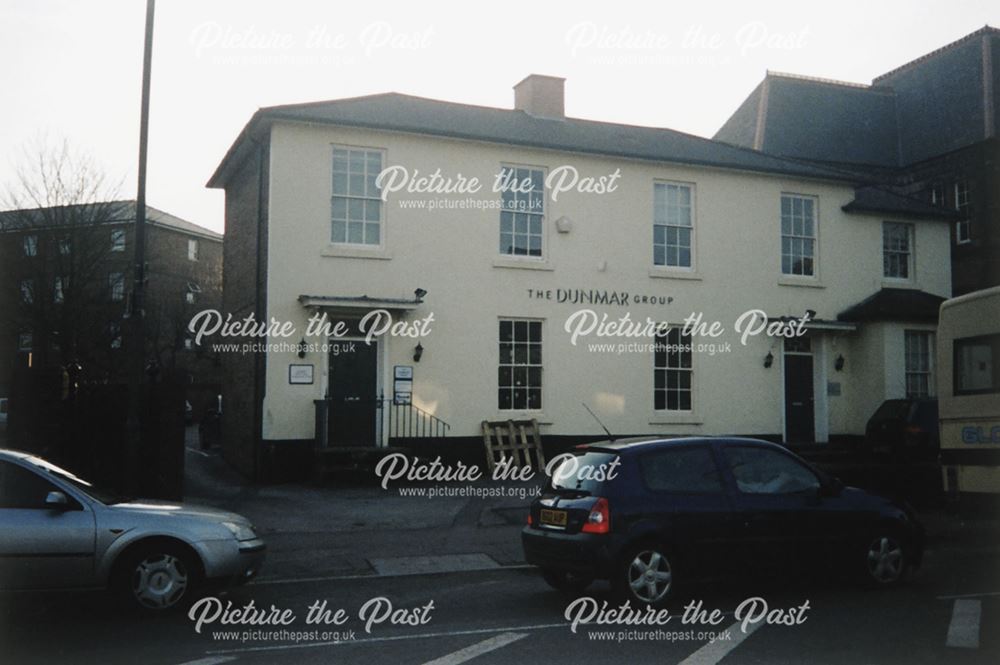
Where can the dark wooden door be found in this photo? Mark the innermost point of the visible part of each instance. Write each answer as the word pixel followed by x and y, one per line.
pixel 353 384
pixel 799 422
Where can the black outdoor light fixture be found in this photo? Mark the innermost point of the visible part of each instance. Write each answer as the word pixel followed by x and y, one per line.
pixel 768 360
pixel 420 293
pixel 302 348
pixel 838 364
pixel 418 352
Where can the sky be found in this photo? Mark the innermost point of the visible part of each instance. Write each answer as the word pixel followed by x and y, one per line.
pixel 72 68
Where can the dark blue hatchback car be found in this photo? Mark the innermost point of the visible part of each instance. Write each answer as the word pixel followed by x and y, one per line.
pixel 648 514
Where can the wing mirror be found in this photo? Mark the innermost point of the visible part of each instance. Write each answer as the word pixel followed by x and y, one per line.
pixel 56 501
pixel 831 486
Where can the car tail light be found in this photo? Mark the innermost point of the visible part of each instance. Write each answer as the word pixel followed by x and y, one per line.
pixel 530 521
pixel 912 429
pixel 599 519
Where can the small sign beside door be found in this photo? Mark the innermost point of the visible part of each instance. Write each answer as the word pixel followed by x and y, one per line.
pixel 300 374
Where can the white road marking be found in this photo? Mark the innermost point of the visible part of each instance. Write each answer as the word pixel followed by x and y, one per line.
pixel 970 595
pixel 369 576
pixel 391 638
pixel 963 631
pixel 217 660
pixel 477 649
pixel 713 652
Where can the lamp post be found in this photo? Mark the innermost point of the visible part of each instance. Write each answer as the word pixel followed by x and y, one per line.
pixel 136 313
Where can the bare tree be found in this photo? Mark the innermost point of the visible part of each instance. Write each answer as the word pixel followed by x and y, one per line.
pixel 59 232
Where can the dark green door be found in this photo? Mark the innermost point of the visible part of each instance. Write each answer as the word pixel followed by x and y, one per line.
pixel 353 385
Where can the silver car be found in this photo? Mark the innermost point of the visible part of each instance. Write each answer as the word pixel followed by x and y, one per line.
pixel 58 531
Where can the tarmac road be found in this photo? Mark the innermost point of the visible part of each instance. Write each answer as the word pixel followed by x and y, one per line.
pixel 508 615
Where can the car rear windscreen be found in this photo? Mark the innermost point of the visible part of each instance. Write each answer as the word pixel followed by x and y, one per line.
pixel 584 471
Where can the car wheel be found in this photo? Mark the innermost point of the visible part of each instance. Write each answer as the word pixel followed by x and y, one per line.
pixel 646 575
pixel 885 559
pixel 566 581
pixel 156 578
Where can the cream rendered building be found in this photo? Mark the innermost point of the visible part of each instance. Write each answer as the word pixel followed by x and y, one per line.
pixel 692 226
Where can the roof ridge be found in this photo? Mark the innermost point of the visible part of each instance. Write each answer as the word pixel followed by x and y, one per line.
pixel 985 30
pixel 604 123
pixel 828 81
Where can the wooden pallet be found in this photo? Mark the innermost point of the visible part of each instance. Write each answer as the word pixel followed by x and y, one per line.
pixel 518 440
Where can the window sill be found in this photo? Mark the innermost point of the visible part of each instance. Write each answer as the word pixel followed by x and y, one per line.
pixel 522 264
pixel 808 282
pixel 356 252
pixel 660 272
pixel 503 416
pixel 675 418
pixel 889 283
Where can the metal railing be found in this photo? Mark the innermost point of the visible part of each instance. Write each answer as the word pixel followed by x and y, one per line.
pixel 406 421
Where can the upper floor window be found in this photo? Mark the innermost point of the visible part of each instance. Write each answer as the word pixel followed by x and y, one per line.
pixel 116 286
pixel 918 349
pixel 798 235
pixel 937 194
pixel 65 246
pixel 57 291
pixel 115 335
pixel 192 249
pixel 897 250
pixel 672 372
pixel 27 291
pixel 519 377
pixel 30 245
pixel 963 228
pixel 191 293
pixel 522 211
pixel 356 215
pixel 117 240
pixel 672 225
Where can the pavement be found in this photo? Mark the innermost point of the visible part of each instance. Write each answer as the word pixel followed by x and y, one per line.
pixel 352 526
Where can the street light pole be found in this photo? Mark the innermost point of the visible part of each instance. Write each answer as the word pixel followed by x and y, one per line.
pixel 136 312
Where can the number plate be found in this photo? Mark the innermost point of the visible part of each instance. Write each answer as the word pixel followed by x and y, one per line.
pixel 553 517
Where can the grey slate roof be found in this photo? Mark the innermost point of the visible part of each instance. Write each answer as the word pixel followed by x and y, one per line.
pixel 406 113
pixel 927 107
pixel 110 212
pixel 870 199
pixel 895 305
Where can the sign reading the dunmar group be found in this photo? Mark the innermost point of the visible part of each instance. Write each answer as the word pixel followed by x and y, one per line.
pixel 598 297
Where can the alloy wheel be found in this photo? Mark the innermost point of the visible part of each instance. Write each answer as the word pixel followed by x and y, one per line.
pixel 885 560
pixel 159 581
pixel 649 576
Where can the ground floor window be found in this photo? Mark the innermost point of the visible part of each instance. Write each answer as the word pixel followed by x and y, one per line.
pixel 919 345
pixel 519 382
pixel 672 372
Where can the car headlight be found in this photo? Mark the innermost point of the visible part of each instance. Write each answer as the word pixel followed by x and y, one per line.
pixel 240 531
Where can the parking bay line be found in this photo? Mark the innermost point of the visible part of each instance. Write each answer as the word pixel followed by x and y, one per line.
pixel 388 638
pixel 713 652
pixel 477 649
pixel 985 594
pixel 963 631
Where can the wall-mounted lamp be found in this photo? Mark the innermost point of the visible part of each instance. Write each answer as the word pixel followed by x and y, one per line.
pixel 302 348
pixel 420 293
pixel 418 352
pixel 768 360
pixel 838 364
